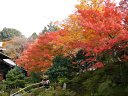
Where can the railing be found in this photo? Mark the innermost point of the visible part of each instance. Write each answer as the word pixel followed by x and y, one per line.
pixel 29 86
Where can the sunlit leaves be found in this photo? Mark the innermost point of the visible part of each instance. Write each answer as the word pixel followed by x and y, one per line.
pixel 39 55
pixel 97 26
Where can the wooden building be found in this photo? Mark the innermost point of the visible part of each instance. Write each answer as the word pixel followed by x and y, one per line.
pixel 6 64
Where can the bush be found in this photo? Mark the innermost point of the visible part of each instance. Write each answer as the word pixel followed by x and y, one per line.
pixel 50 92
pixel 15 79
pixel 4 94
pixel 2 87
pixel 35 77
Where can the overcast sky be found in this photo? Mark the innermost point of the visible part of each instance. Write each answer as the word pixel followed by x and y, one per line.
pixel 30 16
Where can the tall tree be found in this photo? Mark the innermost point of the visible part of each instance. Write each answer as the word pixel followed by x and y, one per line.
pixel 38 56
pixel 95 28
pixel 32 38
pixel 51 27
pixel 61 67
pixel 15 79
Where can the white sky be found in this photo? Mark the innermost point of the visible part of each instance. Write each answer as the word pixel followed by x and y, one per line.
pixel 30 16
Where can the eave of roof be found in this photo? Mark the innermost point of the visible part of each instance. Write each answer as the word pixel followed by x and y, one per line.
pixel 9 62
pixel 3 56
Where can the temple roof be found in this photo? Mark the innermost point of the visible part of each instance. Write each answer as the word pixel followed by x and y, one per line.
pixel 9 62
pixel 3 56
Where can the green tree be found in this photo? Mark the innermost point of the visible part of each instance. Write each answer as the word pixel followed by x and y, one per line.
pixel 34 77
pixel 9 33
pixel 51 27
pixel 15 79
pixel 32 37
pixel 61 67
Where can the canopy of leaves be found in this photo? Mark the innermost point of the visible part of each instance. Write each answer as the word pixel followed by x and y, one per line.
pixel 95 27
pixel 15 78
pixel 15 47
pixel 61 67
pixel 95 36
pixel 9 33
pixel 39 53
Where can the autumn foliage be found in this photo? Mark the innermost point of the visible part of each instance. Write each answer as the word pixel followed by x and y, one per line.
pixel 95 28
pixel 39 54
